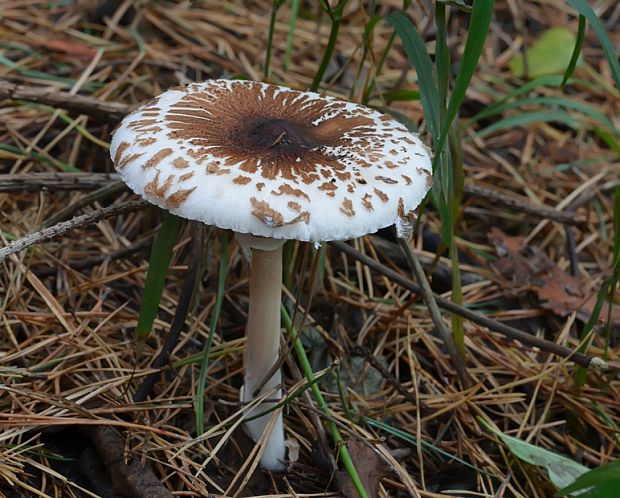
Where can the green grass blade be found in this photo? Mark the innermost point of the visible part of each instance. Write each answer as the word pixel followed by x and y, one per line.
pixel 581 34
pixel 482 11
pixel 527 118
pixel 426 446
pixel 272 26
pixel 584 9
pixel 161 253
pixel 199 400
pixel 550 101
pixel 420 60
pixel 57 163
pixel 292 24
pixel 343 453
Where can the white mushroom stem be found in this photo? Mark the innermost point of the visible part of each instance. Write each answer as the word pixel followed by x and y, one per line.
pixel 262 350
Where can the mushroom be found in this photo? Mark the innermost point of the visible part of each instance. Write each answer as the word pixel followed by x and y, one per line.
pixel 272 164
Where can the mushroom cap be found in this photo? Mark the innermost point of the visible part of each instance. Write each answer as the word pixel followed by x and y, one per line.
pixel 274 162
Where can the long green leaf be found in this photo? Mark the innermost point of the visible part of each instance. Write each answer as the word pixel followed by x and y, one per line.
pixel 562 470
pixel 482 11
pixel 161 253
pixel 584 9
pixel 581 35
pixel 551 101
pixel 601 482
pixel 418 57
pixel 527 118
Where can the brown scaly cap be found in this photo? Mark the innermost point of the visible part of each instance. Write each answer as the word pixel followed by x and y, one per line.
pixel 271 161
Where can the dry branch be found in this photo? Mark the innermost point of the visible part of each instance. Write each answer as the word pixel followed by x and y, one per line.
pixel 110 112
pixel 59 229
pixel 35 182
pixel 510 332
pixel 519 205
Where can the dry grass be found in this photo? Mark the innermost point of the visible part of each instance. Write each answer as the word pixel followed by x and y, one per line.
pixel 68 358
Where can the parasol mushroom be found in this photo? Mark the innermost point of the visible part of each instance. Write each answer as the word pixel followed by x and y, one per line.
pixel 272 164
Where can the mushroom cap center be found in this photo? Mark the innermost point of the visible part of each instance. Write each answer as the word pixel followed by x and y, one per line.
pixel 270 133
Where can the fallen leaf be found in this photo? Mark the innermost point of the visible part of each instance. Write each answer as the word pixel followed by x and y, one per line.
pixel 549 54
pixel 370 467
pixel 527 268
pixel 562 470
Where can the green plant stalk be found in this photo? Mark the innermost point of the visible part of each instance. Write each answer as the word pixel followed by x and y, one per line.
pixel 291 33
pixel 272 25
pixel 204 365
pixel 455 198
pixel 343 452
pixel 335 17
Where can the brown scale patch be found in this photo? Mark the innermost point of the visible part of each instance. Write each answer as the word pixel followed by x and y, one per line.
pixel 122 147
pixel 295 206
pixel 266 214
pixel 140 124
pixel 178 198
pixel 157 158
pixel 214 169
pixel 286 189
pixel 197 156
pixel 428 178
pixel 329 188
pixel 381 194
pixel 186 176
pixel 242 180
pixel 347 207
pixel 154 189
pixel 180 163
pixel 260 186
pixel 390 164
pixel 367 202
pixel 266 131
pixel 351 188
pixel 143 142
pixel 303 216
pixel 407 179
pixel 386 179
pixel 128 159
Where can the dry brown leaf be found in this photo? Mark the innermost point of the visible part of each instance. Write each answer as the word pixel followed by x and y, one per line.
pixel 370 467
pixel 529 269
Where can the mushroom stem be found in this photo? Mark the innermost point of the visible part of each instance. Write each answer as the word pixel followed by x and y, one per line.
pixel 262 349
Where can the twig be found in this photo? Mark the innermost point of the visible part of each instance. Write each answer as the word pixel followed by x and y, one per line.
pixel 59 229
pixel 110 112
pixel 519 205
pixel 429 298
pixel 97 195
pixel 510 332
pixel 35 182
